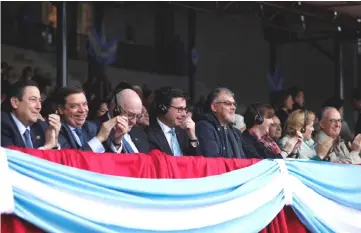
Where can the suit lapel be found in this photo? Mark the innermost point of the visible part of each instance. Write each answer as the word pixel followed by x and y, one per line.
pixel 161 139
pixel 68 134
pixel 18 138
pixel 180 138
pixel 37 136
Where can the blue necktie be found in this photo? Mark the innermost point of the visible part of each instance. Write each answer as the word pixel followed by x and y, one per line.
pixel 28 142
pixel 80 135
pixel 174 144
pixel 127 146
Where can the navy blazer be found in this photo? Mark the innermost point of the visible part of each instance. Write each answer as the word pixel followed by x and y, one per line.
pixel 157 140
pixel 68 140
pixel 137 134
pixel 10 135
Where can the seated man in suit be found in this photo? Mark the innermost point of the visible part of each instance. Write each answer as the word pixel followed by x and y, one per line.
pixel 21 126
pixel 172 132
pixel 216 134
pixel 77 132
pixel 127 102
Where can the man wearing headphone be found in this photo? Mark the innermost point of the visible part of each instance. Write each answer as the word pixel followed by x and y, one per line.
pixel 130 137
pixel 172 132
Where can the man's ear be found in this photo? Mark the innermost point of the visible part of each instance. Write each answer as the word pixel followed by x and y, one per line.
pixel 213 107
pixel 14 102
pixel 321 123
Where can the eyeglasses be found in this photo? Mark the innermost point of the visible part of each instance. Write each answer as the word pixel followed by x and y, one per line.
pixel 227 103
pixel 334 121
pixel 131 116
pixel 180 109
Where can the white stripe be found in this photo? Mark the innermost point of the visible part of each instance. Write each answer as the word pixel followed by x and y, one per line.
pixel 6 189
pixel 287 186
pixel 151 219
pixel 336 216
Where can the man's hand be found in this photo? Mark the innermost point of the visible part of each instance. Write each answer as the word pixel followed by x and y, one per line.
pixel 324 147
pixel 189 126
pixel 52 132
pixel 106 129
pixel 356 144
pixel 121 128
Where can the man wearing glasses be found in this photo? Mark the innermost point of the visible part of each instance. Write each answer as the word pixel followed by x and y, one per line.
pixel 172 131
pixel 217 136
pixel 329 137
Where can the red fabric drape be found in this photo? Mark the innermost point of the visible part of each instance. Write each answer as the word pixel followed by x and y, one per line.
pixel 155 165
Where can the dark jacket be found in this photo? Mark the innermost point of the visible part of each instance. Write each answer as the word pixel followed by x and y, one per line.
pixel 10 135
pixel 218 141
pixel 157 140
pixel 137 134
pixel 256 149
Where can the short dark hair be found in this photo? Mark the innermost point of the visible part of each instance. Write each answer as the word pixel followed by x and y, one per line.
pixel 64 92
pixel 165 95
pixel 335 102
pixel 213 95
pixel 17 89
pixel 294 91
pixel 265 110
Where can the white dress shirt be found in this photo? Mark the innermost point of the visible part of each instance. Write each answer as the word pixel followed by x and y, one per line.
pixel 166 130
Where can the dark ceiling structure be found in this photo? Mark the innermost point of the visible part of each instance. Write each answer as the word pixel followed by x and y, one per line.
pixel 288 22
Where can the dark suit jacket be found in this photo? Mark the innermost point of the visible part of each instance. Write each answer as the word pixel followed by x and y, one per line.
pixel 157 140
pixel 137 134
pixel 89 131
pixel 10 135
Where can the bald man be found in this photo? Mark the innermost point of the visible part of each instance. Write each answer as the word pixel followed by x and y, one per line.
pixel 329 139
pixel 127 134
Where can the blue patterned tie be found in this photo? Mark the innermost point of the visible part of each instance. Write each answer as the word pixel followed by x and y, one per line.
pixel 28 142
pixel 127 147
pixel 174 144
pixel 80 135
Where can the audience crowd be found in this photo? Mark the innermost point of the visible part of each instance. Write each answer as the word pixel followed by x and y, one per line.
pixel 134 119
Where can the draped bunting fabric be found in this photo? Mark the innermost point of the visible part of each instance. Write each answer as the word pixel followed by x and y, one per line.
pixel 49 195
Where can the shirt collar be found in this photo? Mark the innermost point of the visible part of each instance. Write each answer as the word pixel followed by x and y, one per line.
pixel 21 127
pixel 164 127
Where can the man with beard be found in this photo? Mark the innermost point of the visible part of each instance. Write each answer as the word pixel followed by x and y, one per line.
pixel 78 133
pixel 172 132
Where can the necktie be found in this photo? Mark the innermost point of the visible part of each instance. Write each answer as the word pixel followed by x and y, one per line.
pixel 174 144
pixel 127 146
pixel 28 142
pixel 80 135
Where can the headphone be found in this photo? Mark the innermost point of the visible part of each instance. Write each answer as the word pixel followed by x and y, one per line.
pixel 117 110
pixel 258 117
pixel 303 129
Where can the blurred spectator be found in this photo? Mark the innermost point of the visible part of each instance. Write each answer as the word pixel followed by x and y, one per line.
pixel 298 98
pixel 138 90
pixel 338 103
pixel 144 119
pixel 239 123
pixel 27 73
pixel 275 129
pixel 356 97
pixel 98 108
pixel 284 105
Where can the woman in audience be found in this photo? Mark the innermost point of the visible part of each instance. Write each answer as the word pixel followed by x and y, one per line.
pixel 275 129
pixel 284 106
pixel 144 120
pixel 258 144
pixel 300 124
